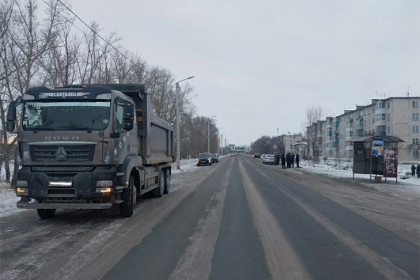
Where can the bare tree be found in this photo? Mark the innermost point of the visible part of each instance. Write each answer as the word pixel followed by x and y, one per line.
pixel 60 61
pixel 268 145
pixel 313 115
pixel 24 40
pixel 94 55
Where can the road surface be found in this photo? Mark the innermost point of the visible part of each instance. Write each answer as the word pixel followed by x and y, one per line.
pixel 237 219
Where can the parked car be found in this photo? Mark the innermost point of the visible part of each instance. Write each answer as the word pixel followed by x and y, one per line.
pixel 204 159
pixel 257 155
pixel 215 157
pixel 268 159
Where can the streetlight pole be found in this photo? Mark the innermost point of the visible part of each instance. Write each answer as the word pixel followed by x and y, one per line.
pixel 178 136
pixel 208 133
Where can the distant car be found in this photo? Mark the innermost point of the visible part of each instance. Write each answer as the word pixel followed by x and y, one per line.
pixel 268 159
pixel 215 157
pixel 257 155
pixel 204 159
pixel 233 154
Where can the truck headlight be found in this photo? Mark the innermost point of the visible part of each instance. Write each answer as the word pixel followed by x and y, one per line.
pixel 21 191
pixel 21 187
pixel 104 186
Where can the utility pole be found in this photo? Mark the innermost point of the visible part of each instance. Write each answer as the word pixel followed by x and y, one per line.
pixel 178 121
pixel 208 133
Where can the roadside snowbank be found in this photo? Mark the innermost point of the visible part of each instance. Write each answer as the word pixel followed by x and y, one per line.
pixel 408 188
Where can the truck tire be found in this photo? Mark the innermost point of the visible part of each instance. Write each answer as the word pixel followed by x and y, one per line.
pixel 158 192
pixel 167 181
pixel 129 195
pixel 46 213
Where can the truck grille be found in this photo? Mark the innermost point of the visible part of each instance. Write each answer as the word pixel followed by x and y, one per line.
pixel 62 153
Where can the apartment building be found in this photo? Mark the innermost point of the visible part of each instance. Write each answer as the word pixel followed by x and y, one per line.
pixel 395 116
pixel 289 140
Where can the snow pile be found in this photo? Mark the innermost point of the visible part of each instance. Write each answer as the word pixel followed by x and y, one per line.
pixel 407 188
pixel 8 199
pixel 186 165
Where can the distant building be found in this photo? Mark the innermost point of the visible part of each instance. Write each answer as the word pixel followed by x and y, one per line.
pixel 240 149
pixel 290 140
pixel 300 148
pixel 395 116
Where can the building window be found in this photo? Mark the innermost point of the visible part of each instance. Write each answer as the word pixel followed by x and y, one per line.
pixel 415 129
pixel 415 104
pixel 383 117
pixel 415 141
pixel 388 105
pixel 415 116
pixel 388 130
pixel 416 154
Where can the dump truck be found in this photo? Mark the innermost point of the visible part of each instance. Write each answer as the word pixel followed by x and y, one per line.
pixel 89 147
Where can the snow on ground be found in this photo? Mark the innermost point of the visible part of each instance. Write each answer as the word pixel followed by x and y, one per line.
pixel 406 188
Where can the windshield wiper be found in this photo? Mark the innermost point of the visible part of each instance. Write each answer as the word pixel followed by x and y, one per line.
pixel 87 128
pixel 42 128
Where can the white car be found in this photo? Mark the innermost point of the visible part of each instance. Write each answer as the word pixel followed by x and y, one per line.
pixel 269 158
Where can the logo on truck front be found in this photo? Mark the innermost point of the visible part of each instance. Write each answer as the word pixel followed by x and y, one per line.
pixel 61 154
pixel 62 94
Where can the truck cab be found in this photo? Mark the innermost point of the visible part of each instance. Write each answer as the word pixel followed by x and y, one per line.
pixel 80 147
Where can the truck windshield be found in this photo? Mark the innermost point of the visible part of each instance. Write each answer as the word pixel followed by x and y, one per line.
pixel 66 115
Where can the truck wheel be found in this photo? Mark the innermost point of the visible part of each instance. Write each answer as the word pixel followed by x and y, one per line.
pixel 46 213
pixel 129 197
pixel 167 181
pixel 158 192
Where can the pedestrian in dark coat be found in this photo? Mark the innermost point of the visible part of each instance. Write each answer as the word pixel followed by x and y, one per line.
pixel 292 159
pixel 418 170
pixel 413 170
pixel 288 162
pixel 277 158
pixel 283 161
pixel 297 160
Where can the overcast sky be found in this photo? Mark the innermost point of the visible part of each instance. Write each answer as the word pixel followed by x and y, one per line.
pixel 259 65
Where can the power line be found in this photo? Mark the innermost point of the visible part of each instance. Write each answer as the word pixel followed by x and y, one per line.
pixel 96 33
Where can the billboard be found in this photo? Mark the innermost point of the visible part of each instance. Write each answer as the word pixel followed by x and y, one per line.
pixel 391 163
pixel 377 146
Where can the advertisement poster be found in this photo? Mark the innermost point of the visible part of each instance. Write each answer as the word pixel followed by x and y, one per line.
pixel 377 146
pixel 391 163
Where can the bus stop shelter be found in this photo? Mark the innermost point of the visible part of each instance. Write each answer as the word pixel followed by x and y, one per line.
pixel 376 156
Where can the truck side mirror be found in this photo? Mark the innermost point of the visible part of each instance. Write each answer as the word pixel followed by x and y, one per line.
pixel 128 116
pixel 11 117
